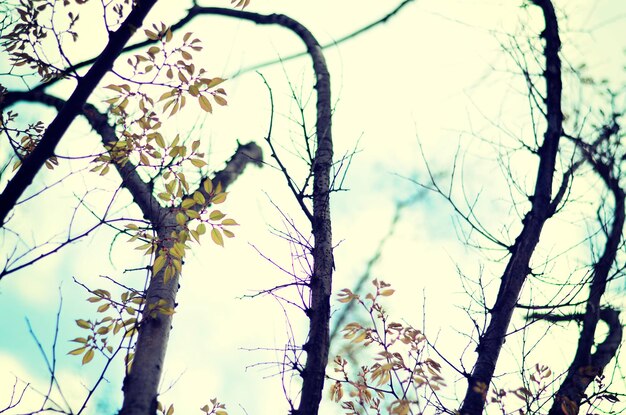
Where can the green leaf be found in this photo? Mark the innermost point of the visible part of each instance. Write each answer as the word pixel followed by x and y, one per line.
pixel 181 218
pixel 216 215
pixel 199 198
pixel 159 262
pixel 201 229
pixel 208 185
pixel 187 203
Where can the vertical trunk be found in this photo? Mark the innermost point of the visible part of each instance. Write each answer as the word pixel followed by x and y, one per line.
pixel 490 344
pixel 318 343
pixel 141 384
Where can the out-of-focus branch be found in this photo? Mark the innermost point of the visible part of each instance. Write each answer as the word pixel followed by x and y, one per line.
pixel 585 365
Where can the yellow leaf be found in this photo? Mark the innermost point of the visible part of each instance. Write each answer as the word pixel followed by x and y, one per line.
pixel 228 233
pixel 199 198
pixel 360 337
pixel 214 82
pixel 208 185
pixel 229 222
pixel 216 215
pixel 83 324
pixel 159 262
pixel 170 410
pixel 201 229
pixel 187 203
pixel 160 141
pixel 198 162
pixel 169 272
pixel 217 237
pixel 167 95
pixel 181 219
pixel 219 198
pixel 220 100
pixel 88 356
pixel 104 307
pixel 78 351
pixel 192 214
pixel 205 104
pixel 151 35
pixel 195 235
pixel 387 293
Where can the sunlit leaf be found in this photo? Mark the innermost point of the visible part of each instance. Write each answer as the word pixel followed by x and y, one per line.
pixel 205 104
pixel 219 198
pixel 78 351
pixel 83 324
pixel 217 237
pixel 216 215
pixel 88 356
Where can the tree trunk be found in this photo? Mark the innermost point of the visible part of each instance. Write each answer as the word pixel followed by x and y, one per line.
pixel 518 267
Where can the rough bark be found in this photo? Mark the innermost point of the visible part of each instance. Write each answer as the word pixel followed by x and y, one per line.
pixel 317 345
pixel 72 107
pixel 517 268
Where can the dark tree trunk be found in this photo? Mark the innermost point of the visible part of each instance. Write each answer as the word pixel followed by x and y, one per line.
pixel 518 266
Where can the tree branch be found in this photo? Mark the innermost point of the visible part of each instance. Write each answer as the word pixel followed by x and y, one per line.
pixel 74 105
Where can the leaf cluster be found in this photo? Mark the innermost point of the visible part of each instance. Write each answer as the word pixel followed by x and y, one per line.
pixel 124 315
pixel 399 372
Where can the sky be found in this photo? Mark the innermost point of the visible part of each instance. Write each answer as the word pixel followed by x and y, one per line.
pixel 439 74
